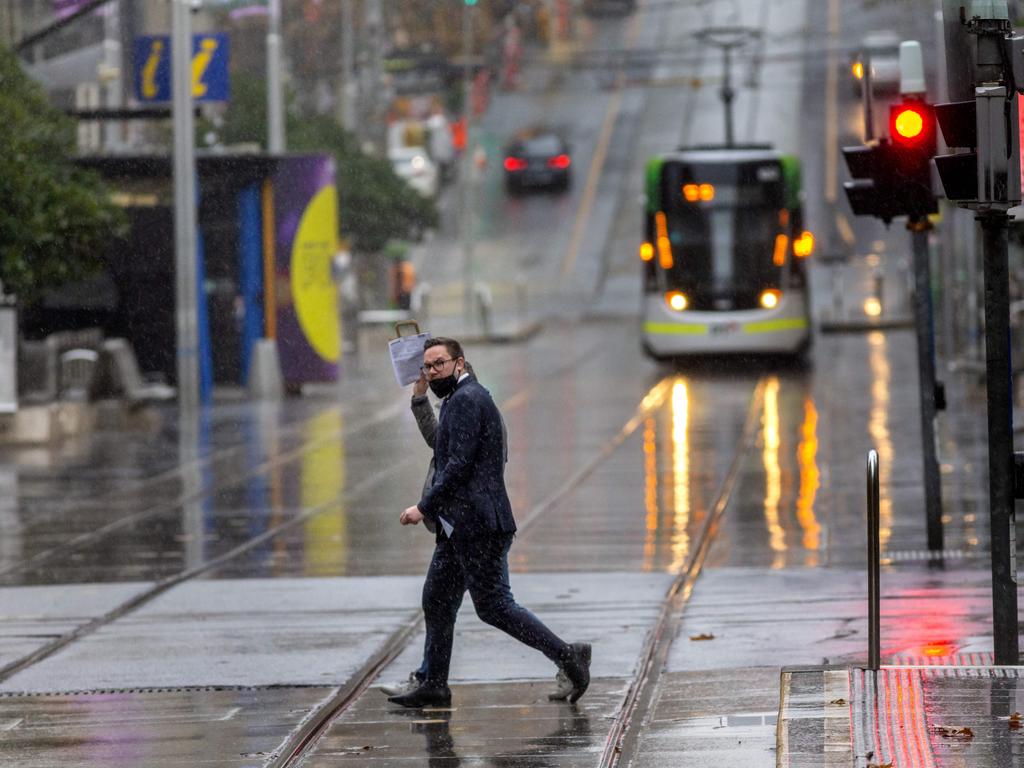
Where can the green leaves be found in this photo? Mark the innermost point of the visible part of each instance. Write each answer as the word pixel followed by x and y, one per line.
pixel 55 219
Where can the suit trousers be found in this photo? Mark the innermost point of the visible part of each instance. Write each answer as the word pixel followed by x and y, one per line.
pixel 481 566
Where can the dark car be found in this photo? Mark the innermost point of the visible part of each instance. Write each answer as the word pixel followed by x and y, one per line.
pixel 537 160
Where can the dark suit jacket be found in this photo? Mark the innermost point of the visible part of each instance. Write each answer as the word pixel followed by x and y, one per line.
pixel 468 488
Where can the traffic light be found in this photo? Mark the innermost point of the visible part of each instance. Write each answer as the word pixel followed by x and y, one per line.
pixel 871 192
pixel 892 177
pixel 959 172
pixel 912 133
pixel 987 175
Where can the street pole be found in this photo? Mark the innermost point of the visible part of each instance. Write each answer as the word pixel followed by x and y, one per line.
pixel 1000 436
pixel 923 322
pixel 275 100
pixel 727 38
pixel 465 174
pixel 727 97
pixel 111 72
pixel 186 294
pixel 346 95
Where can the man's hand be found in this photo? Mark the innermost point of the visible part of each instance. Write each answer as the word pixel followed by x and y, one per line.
pixel 419 388
pixel 411 516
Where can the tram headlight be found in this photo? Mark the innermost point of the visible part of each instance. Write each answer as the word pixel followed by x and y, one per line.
pixel 770 299
pixel 677 300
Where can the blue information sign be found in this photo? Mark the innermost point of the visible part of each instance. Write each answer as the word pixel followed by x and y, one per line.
pixel 152 73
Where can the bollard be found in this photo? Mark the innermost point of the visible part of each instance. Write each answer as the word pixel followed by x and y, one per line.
pixel 879 280
pixel 874 558
pixel 420 302
pixel 484 305
pixel 521 285
pixel 838 308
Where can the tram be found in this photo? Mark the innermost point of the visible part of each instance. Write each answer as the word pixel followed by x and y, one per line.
pixel 724 254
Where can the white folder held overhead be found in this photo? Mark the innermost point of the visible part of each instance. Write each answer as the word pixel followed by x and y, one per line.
pixel 407 354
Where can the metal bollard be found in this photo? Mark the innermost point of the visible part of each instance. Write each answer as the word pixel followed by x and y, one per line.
pixel 419 302
pixel 879 280
pixel 484 305
pixel 874 559
pixel 838 308
pixel 521 285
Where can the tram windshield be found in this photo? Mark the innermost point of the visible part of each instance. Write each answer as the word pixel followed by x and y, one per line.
pixel 727 226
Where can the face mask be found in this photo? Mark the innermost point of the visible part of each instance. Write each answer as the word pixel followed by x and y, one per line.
pixel 444 386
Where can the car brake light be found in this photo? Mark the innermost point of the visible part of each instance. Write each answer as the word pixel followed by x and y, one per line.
pixel 515 164
pixel 559 161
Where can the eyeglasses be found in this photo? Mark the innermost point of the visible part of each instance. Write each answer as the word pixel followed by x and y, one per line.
pixel 437 365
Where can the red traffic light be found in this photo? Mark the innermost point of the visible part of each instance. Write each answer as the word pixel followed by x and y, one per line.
pixel 908 123
pixel 912 124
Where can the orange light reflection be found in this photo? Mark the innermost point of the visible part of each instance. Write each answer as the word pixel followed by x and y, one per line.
pixel 772 471
pixel 680 542
pixel 878 428
pixel 810 481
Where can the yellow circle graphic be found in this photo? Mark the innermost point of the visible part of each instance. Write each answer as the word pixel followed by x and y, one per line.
pixel 313 291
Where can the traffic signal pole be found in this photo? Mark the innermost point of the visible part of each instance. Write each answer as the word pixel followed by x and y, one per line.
pixel 984 176
pixel 923 323
pixel 1002 515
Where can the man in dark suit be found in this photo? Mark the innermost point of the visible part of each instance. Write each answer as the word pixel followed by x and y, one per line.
pixel 469 506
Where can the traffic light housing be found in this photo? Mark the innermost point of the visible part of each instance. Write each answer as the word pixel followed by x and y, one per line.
pixel 870 193
pixel 892 177
pixel 912 133
pixel 985 174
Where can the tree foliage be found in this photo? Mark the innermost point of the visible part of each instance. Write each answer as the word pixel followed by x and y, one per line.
pixel 374 205
pixel 55 219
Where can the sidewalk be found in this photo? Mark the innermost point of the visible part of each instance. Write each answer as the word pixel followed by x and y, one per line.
pixel 902 716
pixel 938 699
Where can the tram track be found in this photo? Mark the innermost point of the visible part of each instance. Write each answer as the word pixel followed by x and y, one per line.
pixel 226 480
pixel 625 728
pixel 361 491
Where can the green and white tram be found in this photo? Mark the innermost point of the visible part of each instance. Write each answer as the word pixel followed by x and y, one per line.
pixel 724 254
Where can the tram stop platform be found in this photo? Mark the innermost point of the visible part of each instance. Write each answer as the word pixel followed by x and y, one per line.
pixel 958 711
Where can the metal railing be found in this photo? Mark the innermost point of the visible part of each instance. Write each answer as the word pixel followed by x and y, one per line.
pixel 874 561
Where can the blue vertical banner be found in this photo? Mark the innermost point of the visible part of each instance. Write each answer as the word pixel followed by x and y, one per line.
pixel 250 252
pixel 152 68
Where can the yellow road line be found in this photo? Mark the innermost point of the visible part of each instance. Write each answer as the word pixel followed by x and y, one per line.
pixel 593 177
pixel 832 105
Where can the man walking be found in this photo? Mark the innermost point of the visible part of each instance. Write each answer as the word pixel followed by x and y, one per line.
pixel 468 504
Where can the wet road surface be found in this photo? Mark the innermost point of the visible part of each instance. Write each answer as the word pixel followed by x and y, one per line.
pixel 207 588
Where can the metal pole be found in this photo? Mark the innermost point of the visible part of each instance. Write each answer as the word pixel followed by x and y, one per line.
pixel 467 167
pixel 110 72
pixel 275 100
pixel 874 560
pixel 1000 437
pixel 347 92
pixel 923 322
pixel 185 207
pixel 868 98
pixel 727 96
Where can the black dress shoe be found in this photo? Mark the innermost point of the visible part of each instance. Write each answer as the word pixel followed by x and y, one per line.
pixel 577 668
pixel 424 696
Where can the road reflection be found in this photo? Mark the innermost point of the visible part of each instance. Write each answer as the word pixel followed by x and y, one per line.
pixel 680 541
pixel 322 481
pixel 810 481
pixel 878 428
pixel 772 471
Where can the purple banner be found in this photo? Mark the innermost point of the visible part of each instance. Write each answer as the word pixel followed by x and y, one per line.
pixel 306 225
